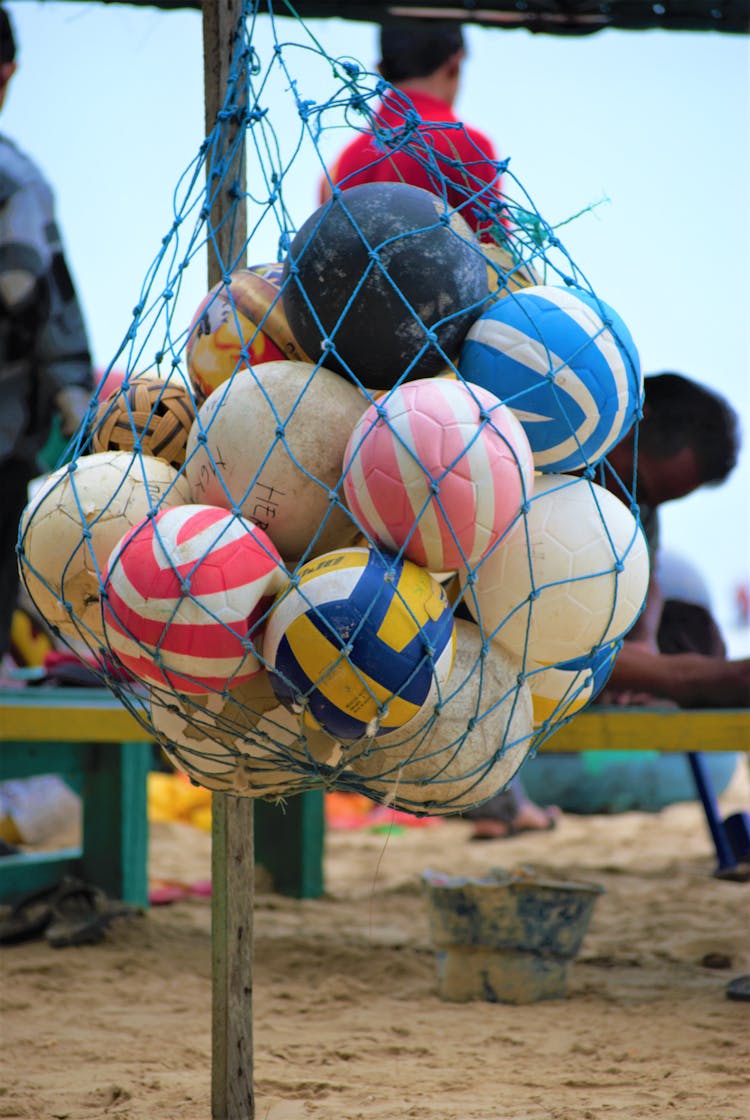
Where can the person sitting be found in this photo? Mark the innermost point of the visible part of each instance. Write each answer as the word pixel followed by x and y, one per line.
pixel 688 438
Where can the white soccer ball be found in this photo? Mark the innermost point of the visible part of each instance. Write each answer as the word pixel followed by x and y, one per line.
pixel 73 522
pixel 242 742
pixel 570 576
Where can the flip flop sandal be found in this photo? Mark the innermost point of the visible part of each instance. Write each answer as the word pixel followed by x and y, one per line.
pixel 81 914
pixel 29 917
pixel 739 988
pixel 490 829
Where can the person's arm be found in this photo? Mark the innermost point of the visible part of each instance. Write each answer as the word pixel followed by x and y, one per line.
pixel 63 356
pixel 646 627
pixel 24 216
pixel 691 680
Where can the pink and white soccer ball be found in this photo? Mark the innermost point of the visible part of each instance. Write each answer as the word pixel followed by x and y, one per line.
pixel 184 597
pixel 438 468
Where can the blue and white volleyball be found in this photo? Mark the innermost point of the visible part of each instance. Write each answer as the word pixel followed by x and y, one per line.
pixel 359 642
pixel 566 364
pixel 557 694
pixel 560 691
pixel 599 664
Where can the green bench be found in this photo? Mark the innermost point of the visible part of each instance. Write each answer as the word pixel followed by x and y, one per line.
pixel 94 743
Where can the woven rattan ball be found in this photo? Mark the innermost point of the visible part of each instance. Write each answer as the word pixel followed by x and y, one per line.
pixel 156 413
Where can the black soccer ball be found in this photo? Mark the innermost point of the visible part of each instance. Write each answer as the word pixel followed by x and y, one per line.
pixel 382 283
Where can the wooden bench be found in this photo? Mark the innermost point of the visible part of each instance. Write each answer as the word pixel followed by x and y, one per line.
pixel 671 730
pixel 87 737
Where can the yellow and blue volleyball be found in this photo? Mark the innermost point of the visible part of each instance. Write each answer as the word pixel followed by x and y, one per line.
pixel 566 364
pixel 359 642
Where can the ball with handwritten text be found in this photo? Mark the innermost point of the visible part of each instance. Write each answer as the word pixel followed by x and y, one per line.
pixel 270 443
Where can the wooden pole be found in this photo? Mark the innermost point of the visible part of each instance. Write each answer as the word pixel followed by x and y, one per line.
pixel 232 888
pixel 232 855
pixel 226 163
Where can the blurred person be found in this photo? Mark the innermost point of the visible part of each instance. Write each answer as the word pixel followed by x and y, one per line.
pixel 688 438
pixel 45 363
pixel 415 136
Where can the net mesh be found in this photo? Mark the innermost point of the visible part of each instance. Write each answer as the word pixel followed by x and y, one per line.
pixel 350 523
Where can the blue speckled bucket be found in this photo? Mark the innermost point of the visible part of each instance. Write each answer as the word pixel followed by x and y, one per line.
pixel 507 938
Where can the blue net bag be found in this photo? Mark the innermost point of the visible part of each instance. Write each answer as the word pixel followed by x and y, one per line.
pixel 349 523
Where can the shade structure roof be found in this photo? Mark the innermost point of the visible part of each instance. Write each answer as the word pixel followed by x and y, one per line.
pixel 554 17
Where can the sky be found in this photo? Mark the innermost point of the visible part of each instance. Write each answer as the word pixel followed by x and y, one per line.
pixel 644 135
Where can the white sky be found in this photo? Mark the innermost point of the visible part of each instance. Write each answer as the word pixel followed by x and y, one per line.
pixel 109 101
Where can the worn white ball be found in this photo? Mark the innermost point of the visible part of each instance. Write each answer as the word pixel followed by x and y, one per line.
pixel 270 442
pixel 73 522
pixel 463 750
pixel 570 576
pixel 241 742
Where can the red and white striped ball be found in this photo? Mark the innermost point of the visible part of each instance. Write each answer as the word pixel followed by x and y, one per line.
pixel 185 596
pixel 438 468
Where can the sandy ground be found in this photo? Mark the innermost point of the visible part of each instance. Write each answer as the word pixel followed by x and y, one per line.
pixel 347 1022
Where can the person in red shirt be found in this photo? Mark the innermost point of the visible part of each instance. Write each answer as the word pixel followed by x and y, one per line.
pixel 415 137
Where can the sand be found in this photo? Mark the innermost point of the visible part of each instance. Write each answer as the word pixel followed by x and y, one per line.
pixel 347 1022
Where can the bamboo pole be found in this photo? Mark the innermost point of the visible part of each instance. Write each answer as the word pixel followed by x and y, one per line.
pixel 232 855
